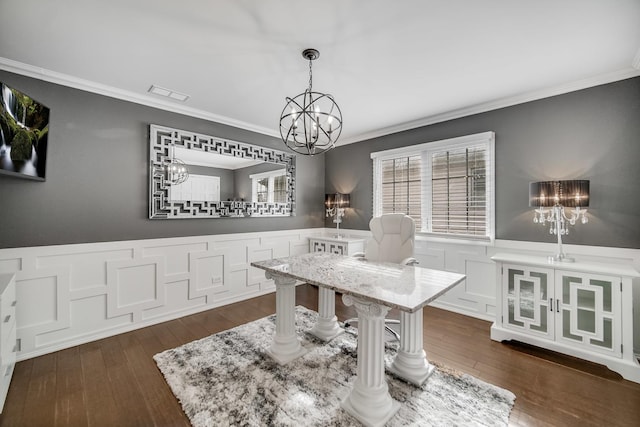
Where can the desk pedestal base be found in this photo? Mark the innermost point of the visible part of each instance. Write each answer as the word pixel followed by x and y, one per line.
pixel 369 400
pixel 285 346
pixel 411 362
pixel 326 327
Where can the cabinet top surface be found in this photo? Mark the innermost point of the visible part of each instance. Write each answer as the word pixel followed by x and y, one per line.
pixel 336 239
pixel 625 270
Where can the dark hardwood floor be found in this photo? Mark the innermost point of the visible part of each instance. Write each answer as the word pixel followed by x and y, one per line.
pixel 115 382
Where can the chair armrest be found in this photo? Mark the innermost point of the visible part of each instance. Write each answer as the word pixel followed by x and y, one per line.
pixel 409 261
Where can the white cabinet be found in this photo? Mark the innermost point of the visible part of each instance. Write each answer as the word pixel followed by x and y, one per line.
pixel 581 309
pixel 8 346
pixel 336 245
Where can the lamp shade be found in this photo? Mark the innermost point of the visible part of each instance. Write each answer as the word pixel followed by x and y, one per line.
pixel 570 193
pixel 329 200
pixel 337 200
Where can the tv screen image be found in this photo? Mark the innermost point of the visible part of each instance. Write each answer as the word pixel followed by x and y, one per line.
pixel 24 130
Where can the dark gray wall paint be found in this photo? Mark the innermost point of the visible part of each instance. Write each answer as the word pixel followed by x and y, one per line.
pixel 589 134
pixel 97 175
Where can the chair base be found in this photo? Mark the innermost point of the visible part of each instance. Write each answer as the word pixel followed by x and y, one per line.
pixel 387 322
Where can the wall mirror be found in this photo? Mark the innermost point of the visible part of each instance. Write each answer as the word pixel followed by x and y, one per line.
pixel 199 176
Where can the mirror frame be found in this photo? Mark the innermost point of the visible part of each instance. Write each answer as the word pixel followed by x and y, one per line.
pixel 161 141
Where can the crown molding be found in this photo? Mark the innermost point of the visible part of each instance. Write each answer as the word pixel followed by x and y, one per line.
pixel 501 103
pixel 113 92
pixel 100 89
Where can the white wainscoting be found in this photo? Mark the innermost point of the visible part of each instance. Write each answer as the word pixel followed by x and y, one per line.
pixel 72 294
pixel 476 296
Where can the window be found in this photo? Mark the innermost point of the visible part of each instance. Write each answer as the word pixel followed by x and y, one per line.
pixel 401 187
pixel 269 187
pixel 445 186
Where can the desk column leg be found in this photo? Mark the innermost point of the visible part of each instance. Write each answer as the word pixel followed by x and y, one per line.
pixel 411 362
pixel 285 346
pixel 369 400
pixel 326 327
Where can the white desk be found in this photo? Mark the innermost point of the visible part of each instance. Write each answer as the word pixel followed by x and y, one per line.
pixel 373 289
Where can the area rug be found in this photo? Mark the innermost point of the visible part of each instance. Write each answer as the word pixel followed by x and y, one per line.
pixel 227 379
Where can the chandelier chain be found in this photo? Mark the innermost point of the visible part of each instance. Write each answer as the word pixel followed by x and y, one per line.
pixel 310 76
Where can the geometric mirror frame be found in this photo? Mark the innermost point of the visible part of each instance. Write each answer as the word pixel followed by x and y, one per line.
pixel 164 145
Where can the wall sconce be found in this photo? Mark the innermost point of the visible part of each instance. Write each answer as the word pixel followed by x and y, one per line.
pixel 335 205
pixel 556 195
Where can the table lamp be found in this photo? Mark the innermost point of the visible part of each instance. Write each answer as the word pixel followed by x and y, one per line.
pixel 550 198
pixel 335 204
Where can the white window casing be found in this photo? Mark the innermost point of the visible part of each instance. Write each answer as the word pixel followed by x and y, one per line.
pixel 458 211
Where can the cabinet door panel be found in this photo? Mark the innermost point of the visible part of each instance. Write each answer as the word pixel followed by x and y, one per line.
pixel 528 293
pixel 590 311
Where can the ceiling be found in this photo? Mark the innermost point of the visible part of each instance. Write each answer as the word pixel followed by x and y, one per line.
pixel 390 65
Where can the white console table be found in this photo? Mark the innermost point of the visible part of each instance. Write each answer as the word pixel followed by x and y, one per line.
pixel 336 245
pixel 577 308
pixel 8 348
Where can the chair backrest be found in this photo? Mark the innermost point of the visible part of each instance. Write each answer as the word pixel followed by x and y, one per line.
pixel 393 238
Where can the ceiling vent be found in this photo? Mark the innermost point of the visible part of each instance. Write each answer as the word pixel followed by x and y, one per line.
pixel 168 93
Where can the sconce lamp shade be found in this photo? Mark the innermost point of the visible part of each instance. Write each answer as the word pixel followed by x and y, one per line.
pixel 571 193
pixel 337 200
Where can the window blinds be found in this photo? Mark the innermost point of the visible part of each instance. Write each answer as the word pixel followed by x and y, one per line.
pixel 459 191
pixel 447 186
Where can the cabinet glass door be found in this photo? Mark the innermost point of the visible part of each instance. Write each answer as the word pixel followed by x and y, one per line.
pixel 528 295
pixel 589 308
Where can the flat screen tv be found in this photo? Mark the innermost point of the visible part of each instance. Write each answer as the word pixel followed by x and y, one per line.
pixel 24 128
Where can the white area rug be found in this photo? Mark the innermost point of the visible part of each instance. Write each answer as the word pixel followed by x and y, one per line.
pixel 227 379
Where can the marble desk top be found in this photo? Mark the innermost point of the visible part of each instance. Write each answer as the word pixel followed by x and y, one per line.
pixel 404 287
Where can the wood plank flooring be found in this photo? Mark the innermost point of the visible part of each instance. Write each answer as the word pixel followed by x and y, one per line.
pixel 115 382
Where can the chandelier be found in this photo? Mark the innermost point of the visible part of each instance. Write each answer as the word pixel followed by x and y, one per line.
pixel 311 122
pixel 176 172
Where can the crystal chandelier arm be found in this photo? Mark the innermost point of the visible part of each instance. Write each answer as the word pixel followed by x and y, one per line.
pixel 331 211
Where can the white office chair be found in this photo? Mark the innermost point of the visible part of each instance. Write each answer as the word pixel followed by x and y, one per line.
pixel 393 237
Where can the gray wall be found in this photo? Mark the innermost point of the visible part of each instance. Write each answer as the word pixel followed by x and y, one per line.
pixel 97 175
pixel 590 134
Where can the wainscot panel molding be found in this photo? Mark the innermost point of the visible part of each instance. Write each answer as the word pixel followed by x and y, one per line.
pixel 72 294
pixel 476 296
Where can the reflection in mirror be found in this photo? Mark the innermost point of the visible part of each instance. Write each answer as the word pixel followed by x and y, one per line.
pixel 224 178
